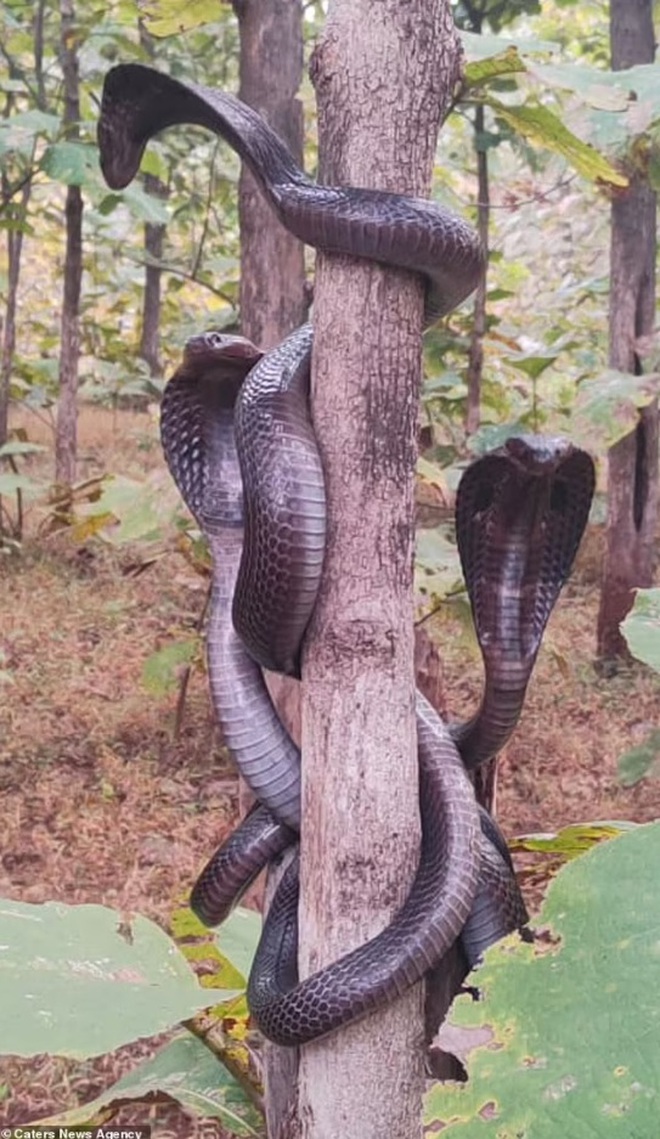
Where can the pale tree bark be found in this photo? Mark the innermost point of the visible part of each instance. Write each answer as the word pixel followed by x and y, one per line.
pixel 67 411
pixel 272 294
pixel 384 72
pixel 633 461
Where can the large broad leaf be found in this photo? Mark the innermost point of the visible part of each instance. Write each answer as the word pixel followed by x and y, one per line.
pixel 186 1070
pixel 567 1035
pixel 641 627
pixel 75 981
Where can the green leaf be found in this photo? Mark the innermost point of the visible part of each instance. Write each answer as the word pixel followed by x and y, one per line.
pixel 143 206
pixel 481 46
pixel 606 408
pixel 75 981
pixel 171 18
pixel 38 122
pixel 18 447
pixel 571 841
pixel 10 483
pixel 641 627
pixel 540 126
pixel 437 568
pixel 532 364
pixel 161 670
pixel 238 937
pixel 71 163
pixel 141 509
pixel 566 1037
pixel 493 435
pixel 640 761
pixel 482 71
pixel 186 1070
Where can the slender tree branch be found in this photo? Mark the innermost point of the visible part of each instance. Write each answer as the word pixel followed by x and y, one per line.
pixel 207 212
pixel 138 259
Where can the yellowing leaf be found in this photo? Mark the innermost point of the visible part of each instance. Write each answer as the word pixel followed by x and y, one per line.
pixel 171 17
pixel 542 127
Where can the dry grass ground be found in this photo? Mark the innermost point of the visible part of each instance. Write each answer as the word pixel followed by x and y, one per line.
pixel 101 804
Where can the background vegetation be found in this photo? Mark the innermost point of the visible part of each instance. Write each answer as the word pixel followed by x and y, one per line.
pixel 115 786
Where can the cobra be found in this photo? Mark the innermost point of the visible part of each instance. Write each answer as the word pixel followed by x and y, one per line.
pixel 519 523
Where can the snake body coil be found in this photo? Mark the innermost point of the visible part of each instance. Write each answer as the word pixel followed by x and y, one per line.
pixel 515 551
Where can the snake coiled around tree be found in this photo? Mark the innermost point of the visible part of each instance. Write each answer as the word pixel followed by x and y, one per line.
pixel 516 552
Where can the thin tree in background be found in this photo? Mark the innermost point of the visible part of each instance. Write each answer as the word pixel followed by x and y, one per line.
pixel 14 204
pixel 154 242
pixel 633 461
pixel 471 15
pixel 272 296
pixel 67 412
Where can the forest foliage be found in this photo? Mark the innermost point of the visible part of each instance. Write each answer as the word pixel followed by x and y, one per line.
pixel 562 133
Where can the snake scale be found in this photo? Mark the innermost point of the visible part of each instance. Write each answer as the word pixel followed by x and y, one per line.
pixel 238 439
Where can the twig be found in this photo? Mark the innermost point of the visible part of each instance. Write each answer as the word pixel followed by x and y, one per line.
pixel 238 1059
pixel 185 675
pixel 207 214
pixel 432 612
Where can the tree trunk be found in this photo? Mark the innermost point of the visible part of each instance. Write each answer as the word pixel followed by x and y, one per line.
pixel 272 295
pixel 272 304
pixel 154 236
pixel 67 412
pixel 633 461
pixel 14 217
pixel 476 357
pixel 383 73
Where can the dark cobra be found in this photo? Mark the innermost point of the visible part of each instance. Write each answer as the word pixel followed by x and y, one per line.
pixel 464 883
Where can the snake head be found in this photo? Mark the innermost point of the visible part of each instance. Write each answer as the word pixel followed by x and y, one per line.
pixel 217 348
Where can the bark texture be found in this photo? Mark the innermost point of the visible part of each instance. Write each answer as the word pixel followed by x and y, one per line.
pixel 384 72
pixel 633 461
pixel 67 412
pixel 272 294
